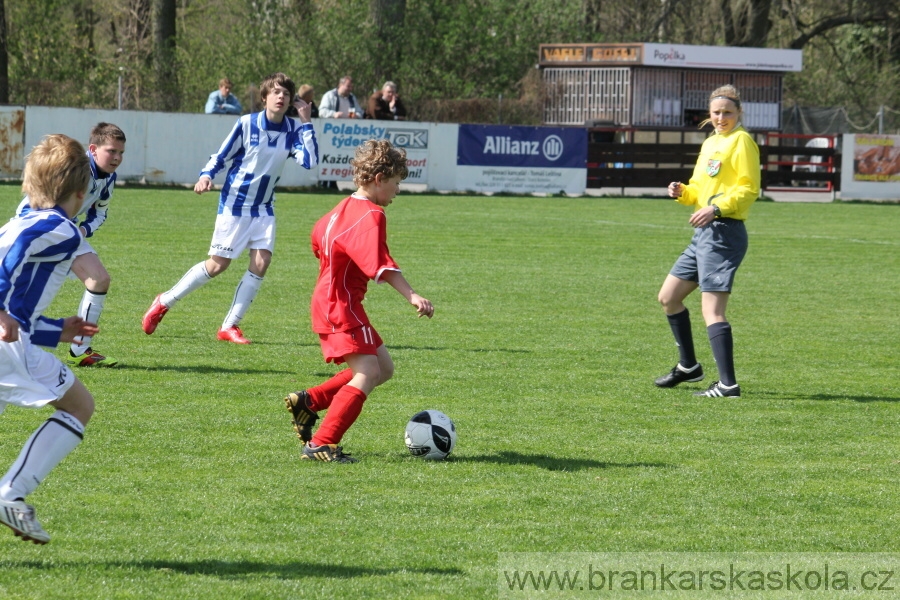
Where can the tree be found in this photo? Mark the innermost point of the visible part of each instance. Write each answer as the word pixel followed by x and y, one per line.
pixel 593 23
pixel 467 52
pixel 809 25
pixel 164 54
pixel 4 56
pixel 388 19
pixel 746 22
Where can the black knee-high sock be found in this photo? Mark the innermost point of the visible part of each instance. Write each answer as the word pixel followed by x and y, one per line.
pixel 684 339
pixel 723 350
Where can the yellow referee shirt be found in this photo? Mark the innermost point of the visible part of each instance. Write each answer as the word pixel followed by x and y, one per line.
pixel 726 174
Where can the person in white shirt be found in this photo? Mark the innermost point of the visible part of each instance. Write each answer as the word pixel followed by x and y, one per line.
pixel 257 148
pixel 340 103
pixel 37 251
pixel 105 154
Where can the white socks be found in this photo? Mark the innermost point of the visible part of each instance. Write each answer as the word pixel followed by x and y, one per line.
pixel 90 309
pixel 195 278
pixel 45 449
pixel 244 294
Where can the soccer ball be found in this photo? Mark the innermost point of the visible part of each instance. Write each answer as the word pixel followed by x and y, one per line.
pixel 430 434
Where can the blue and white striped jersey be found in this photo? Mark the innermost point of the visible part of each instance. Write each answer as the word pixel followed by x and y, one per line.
pixel 36 253
pixel 258 150
pixel 96 201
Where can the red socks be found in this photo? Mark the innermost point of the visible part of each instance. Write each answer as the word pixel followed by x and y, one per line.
pixel 322 395
pixel 345 408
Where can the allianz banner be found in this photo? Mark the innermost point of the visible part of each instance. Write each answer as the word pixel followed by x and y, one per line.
pixel 498 158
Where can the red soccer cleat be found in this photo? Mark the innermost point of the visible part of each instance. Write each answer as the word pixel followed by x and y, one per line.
pixel 232 334
pixel 154 315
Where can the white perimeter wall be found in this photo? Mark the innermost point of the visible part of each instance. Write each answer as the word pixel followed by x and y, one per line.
pixel 171 148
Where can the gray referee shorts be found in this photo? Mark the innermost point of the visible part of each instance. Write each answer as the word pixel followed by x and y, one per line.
pixel 713 256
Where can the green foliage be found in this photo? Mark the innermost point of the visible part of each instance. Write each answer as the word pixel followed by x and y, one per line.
pixel 854 66
pixel 545 341
pixel 447 57
pixel 45 57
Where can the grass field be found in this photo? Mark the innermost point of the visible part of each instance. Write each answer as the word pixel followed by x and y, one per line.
pixel 543 349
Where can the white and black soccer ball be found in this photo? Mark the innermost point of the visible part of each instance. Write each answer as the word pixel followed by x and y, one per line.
pixel 430 434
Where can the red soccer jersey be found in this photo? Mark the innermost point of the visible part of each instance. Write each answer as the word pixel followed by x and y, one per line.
pixel 351 245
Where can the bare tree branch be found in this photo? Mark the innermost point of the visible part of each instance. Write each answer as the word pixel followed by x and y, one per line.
pixel 832 23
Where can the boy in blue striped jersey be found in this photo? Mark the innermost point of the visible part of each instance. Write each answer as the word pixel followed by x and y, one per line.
pixel 105 153
pixel 257 148
pixel 36 252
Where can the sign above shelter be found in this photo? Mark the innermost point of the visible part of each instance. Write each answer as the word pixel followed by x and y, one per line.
pixel 671 55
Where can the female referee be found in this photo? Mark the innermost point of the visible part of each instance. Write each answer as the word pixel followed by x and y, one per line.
pixel 724 184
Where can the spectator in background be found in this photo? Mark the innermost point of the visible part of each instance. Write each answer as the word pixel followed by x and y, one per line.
pixel 340 103
pixel 254 99
pixel 222 101
pixel 386 105
pixel 305 93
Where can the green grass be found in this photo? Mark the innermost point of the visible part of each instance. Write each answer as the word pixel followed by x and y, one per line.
pixel 544 345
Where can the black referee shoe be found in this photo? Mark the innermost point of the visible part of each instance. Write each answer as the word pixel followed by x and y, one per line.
pixel 679 374
pixel 717 390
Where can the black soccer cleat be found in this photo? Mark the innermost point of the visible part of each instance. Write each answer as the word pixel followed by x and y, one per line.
pixel 717 390
pixel 304 418
pixel 326 453
pixel 679 374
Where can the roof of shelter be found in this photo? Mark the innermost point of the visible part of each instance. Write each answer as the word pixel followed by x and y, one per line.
pixel 671 55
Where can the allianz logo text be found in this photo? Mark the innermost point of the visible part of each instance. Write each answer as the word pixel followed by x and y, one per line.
pixel 552 148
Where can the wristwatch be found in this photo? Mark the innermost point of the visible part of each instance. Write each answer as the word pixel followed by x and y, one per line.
pixel 717 211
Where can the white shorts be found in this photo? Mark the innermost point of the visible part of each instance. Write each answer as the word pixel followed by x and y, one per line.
pixel 233 234
pixel 29 376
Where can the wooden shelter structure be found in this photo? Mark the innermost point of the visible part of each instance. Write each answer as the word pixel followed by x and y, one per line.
pixel 642 104
pixel 660 86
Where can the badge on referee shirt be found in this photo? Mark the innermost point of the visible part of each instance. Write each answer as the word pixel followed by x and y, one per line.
pixel 713 166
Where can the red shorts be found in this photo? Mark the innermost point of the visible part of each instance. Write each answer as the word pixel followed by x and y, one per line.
pixel 361 340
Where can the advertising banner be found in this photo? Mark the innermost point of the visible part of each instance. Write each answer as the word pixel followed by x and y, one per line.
pixel 672 55
pixel 497 158
pixel 876 157
pixel 870 166
pixel 723 57
pixel 339 138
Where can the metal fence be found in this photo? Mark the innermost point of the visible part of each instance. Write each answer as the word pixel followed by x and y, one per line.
pixel 654 97
pixel 576 96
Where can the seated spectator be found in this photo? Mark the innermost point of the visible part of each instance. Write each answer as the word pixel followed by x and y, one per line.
pixel 222 101
pixel 340 103
pixel 305 93
pixel 254 99
pixel 386 105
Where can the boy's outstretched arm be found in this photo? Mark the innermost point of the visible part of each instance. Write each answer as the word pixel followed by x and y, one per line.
pixel 424 308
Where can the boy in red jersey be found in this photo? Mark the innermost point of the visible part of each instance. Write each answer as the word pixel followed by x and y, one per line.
pixel 351 245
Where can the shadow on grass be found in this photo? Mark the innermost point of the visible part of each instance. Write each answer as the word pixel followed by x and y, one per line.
pixel 476 350
pixel 829 397
pixel 552 463
pixel 226 569
pixel 200 369
pixel 290 342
